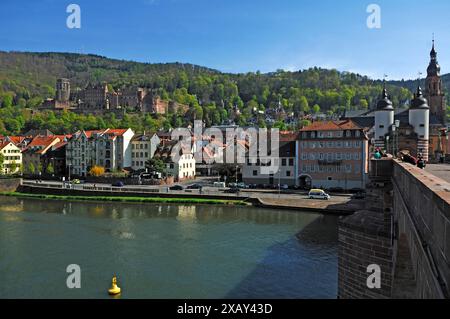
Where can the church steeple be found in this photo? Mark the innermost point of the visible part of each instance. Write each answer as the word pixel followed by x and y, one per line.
pixel 434 68
pixel 433 87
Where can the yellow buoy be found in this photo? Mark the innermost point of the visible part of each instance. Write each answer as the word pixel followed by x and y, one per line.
pixel 114 290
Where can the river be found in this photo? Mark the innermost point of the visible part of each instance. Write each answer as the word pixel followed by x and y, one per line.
pixel 164 251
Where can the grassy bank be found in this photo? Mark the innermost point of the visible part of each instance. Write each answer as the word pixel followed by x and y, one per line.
pixel 128 199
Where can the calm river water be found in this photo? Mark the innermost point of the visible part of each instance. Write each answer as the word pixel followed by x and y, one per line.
pixel 165 251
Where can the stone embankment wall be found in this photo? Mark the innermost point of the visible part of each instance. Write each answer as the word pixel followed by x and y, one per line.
pixel 9 184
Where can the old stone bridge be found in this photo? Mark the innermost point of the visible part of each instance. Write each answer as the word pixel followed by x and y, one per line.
pixel 405 230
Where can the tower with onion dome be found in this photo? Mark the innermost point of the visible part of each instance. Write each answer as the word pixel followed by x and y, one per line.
pixel 384 119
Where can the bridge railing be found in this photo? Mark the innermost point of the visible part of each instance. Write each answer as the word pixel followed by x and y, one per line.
pixel 380 170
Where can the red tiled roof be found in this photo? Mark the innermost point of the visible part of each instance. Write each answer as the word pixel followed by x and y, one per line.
pixel 90 133
pixel 331 126
pixel 43 142
pixel 117 132
pixel 59 145
pixel 4 144
pixel 16 139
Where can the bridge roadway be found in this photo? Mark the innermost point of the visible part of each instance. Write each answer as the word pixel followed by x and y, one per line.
pixel 440 170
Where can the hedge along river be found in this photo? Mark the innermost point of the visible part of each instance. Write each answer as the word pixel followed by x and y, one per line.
pixel 165 251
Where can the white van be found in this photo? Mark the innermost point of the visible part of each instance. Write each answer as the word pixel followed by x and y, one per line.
pixel 219 184
pixel 318 194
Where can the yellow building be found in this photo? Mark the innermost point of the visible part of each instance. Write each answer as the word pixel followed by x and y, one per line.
pixel 12 158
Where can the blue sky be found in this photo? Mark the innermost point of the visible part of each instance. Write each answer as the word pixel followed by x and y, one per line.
pixel 239 35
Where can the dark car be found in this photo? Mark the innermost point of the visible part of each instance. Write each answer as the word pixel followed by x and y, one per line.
pixel 232 190
pixel 357 190
pixel 176 188
pixel 118 184
pixel 359 195
pixel 194 186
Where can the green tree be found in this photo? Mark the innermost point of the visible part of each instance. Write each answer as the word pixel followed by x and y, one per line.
pixel 316 109
pixel 2 160
pixel 7 100
pixel 31 169
pixel 155 165
pixel 50 169
pixel 13 167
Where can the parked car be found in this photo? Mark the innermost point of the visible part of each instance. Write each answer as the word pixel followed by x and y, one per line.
pixel 318 194
pixel 219 184
pixel 118 184
pixel 359 195
pixel 232 190
pixel 357 190
pixel 76 181
pixel 176 188
pixel 194 186
pixel 284 187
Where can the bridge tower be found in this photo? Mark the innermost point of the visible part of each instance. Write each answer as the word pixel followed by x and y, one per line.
pixel 384 119
pixel 419 119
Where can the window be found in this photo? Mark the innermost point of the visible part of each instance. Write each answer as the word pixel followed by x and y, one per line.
pixel 288 173
pixel 255 173
pixel 283 162
pixel 291 162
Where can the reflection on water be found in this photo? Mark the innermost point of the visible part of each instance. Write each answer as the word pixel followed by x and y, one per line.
pixel 165 251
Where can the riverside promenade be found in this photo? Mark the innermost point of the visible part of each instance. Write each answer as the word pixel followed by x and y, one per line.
pixel 338 205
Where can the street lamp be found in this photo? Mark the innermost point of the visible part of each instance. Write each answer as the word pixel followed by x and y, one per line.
pixel 387 143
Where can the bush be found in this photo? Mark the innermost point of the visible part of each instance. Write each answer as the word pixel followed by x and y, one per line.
pixel 97 171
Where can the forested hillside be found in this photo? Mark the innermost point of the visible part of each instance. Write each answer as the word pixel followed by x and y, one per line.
pixel 28 78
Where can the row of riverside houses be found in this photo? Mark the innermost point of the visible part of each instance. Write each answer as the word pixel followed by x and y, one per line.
pixel 325 154
pixel 116 150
